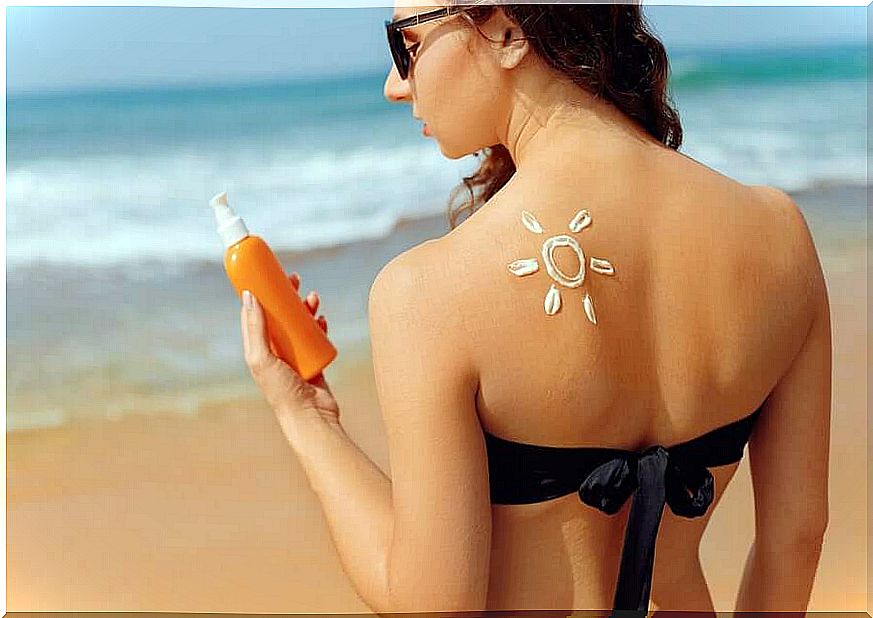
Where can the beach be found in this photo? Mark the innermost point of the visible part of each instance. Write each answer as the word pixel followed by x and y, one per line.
pixel 209 511
pixel 145 471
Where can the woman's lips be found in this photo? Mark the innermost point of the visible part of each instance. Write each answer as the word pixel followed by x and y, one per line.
pixel 425 130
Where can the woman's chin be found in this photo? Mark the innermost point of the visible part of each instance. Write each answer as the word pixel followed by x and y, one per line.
pixel 453 153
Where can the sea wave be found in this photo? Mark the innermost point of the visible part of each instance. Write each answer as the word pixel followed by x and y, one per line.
pixel 112 178
pixel 707 69
pixel 111 210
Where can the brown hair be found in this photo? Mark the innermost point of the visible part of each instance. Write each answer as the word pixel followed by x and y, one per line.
pixel 606 49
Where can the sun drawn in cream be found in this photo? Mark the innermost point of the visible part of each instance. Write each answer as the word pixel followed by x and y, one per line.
pixel 528 266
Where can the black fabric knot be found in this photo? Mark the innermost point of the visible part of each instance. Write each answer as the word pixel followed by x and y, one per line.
pixel 609 485
pixel 654 478
pixel 688 488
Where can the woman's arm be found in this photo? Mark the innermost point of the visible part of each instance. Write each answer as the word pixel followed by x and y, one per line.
pixel 440 546
pixel 355 496
pixel 421 540
pixel 788 456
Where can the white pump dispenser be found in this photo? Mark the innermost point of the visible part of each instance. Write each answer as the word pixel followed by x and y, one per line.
pixel 231 227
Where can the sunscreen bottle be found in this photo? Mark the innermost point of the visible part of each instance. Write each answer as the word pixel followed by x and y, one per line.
pixel 251 265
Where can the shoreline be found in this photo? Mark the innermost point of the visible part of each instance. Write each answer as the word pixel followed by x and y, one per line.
pixel 124 341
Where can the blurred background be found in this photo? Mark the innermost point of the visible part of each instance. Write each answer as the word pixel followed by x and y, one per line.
pixel 145 471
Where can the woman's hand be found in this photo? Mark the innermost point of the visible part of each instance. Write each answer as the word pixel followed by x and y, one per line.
pixel 290 396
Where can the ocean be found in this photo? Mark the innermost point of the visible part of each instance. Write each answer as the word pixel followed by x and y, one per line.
pixel 116 298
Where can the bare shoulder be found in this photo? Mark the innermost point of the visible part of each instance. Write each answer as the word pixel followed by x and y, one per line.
pixel 788 216
pixel 418 271
pixel 783 206
pixel 419 287
pixel 797 260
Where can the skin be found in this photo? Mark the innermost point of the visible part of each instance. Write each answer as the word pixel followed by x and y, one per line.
pixel 717 301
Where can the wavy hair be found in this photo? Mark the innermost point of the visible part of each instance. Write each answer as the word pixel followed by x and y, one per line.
pixel 606 49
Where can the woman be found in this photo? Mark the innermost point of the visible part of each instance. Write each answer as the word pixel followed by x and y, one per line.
pixel 606 295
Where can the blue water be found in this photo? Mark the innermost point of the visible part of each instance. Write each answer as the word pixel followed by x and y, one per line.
pixel 110 179
pixel 319 162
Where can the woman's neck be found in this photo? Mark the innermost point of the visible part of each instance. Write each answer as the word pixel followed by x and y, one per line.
pixel 548 119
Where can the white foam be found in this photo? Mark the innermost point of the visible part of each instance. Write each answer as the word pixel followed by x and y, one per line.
pixel 155 207
pixel 299 193
pixel 30 420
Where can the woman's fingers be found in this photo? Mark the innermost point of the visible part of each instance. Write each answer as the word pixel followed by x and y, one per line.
pixel 312 299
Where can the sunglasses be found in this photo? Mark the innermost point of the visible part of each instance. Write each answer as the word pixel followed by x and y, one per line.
pixel 394 29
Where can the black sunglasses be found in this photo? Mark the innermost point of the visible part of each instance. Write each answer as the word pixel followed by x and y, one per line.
pixel 394 29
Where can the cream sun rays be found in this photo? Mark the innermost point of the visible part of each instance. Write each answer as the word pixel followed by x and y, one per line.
pixel 528 266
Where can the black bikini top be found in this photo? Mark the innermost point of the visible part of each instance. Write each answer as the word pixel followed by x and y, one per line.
pixel 604 478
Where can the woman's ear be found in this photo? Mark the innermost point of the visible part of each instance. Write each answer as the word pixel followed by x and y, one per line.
pixel 505 38
pixel 514 47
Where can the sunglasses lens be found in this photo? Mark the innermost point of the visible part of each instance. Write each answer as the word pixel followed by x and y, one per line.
pixel 398 52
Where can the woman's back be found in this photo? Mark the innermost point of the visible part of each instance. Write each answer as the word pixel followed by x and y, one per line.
pixel 703 314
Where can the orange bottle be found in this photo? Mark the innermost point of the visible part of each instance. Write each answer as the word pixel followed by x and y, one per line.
pixel 252 266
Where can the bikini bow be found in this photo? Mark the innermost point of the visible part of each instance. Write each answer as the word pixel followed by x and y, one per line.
pixel 657 479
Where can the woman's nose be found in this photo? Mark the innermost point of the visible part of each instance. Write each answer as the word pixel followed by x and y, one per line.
pixel 396 89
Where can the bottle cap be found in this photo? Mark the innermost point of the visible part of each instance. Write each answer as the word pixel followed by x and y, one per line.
pixel 231 227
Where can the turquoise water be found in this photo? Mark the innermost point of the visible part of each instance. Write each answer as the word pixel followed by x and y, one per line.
pixel 704 69
pixel 321 162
